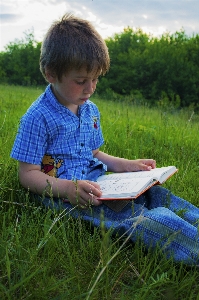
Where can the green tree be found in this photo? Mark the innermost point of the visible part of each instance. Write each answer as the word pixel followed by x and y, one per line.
pixel 19 64
pixel 168 65
pixel 164 68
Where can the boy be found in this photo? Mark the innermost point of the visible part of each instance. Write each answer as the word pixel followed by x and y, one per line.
pixel 58 143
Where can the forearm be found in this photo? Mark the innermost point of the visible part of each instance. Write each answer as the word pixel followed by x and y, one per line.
pixel 114 164
pixel 43 184
pixel 117 164
pixel 78 193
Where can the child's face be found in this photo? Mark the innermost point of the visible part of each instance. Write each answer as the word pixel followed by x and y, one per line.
pixel 75 87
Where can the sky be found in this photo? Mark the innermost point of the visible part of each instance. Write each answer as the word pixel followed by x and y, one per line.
pixel 156 17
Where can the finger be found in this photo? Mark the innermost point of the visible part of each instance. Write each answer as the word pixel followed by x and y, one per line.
pixel 94 190
pixel 86 204
pixel 91 200
pixel 150 164
pixel 86 200
pixel 95 185
pixel 94 199
pixel 153 164
pixel 79 202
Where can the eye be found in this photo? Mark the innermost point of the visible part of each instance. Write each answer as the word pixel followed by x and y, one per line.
pixel 95 80
pixel 80 82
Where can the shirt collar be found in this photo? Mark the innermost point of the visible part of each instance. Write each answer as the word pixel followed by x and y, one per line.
pixel 58 106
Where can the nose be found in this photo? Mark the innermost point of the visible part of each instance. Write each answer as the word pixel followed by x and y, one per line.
pixel 90 87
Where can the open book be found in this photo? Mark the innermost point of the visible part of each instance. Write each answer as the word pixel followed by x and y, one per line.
pixel 129 185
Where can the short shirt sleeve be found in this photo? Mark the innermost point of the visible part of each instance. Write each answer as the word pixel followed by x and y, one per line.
pixel 30 143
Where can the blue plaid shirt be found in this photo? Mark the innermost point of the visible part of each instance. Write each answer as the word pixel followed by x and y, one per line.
pixel 52 136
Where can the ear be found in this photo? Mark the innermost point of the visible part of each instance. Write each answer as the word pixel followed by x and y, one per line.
pixel 50 76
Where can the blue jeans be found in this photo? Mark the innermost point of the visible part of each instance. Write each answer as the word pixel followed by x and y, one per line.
pixel 157 217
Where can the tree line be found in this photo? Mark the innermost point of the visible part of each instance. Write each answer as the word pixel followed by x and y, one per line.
pixel 165 67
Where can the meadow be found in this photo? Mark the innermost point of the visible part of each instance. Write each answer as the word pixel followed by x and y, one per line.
pixel 48 255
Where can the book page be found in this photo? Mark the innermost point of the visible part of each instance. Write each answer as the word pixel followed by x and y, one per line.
pixel 161 174
pixel 166 173
pixel 123 187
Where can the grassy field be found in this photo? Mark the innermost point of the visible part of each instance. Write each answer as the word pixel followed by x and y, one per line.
pixel 44 255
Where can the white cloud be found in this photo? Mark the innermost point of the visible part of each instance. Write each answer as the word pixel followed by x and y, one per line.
pixel 109 17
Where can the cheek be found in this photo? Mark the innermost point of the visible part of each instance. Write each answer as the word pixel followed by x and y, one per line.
pixel 74 90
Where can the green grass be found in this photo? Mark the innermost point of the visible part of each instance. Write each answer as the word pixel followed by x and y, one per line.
pixel 46 255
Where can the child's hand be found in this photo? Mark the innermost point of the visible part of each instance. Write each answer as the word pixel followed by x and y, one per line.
pixel 141 165
pixel 83 193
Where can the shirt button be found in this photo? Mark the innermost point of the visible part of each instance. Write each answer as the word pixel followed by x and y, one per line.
pixel 83 172
pixel 82 144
